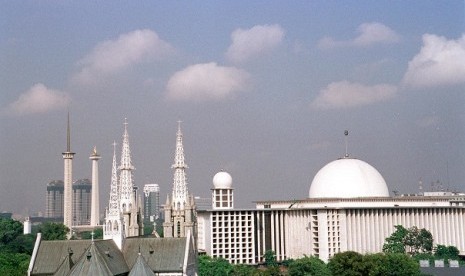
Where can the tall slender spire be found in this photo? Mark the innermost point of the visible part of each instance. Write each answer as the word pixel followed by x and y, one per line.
pixel 68 180
pixel 68 137
pixel 125 176
pixel 180 192
pixel 113 208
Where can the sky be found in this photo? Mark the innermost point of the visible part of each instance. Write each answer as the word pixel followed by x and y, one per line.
pixel 264 90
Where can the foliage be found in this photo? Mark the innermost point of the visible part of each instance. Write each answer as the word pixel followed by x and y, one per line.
pixel 347 263
pixel 446 252
pixel 412 240
pixel 243 270
pixel 87 235
pixel 391 264
pixel 309 266
pixel 53 231
pixel 270 258
pixel 15 248
pixel 14 263
pixel 395 242
pixel 418 240
pixel 209 266
pixel 9 230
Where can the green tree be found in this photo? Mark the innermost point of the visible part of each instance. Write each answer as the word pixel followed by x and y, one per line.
pixel 412 241
pixel 53 231
pixel 9 230
pixel 87 235
pixel 270 258
pixel 209 266
pixel 14 264
pixel 347 263
pixel 418 240
pixel 243 270
pixel 390 264
pixel 308 266
pixel 446 252
pixel 395 242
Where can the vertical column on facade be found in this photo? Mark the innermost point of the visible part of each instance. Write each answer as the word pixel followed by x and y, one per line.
pixel 349 222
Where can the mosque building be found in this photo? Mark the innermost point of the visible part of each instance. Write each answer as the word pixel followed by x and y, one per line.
pixel 348 209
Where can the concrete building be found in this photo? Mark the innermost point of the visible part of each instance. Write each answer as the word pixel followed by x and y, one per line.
pixel 54 199
pixel 82 201
pixel 348 208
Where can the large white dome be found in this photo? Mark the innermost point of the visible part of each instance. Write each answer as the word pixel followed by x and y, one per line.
pixel 222 180
pixel 347 178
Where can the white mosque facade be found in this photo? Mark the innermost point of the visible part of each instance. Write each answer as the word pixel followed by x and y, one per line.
pixel 348 208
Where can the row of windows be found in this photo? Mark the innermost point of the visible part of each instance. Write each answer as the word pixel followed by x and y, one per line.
pixel 231 217
pixel 231 230
pixel 244 240
pixel 232 223
pixel 226 235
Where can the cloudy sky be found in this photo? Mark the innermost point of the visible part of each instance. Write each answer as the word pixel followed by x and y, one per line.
pixel 265 91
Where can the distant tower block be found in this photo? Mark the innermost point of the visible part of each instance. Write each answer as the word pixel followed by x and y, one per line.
pixel 95 208
pixel 68 181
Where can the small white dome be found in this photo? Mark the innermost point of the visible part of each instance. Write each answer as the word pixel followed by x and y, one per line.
pixel 222 180
pixel 346 178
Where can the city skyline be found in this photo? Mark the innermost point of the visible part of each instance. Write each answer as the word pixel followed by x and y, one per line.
pixel 265 91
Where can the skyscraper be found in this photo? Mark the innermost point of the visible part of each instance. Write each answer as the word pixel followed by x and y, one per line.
pixel 54 199
pixel 82 198
pixel 151 203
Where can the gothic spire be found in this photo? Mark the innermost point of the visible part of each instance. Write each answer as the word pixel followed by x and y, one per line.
pixel 114 199
pixel 125 176
pixel 180 192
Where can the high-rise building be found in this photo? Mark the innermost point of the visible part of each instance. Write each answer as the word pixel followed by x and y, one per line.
pixel 82 201
pixel 179 211
pixel 151 203
pixel 54 199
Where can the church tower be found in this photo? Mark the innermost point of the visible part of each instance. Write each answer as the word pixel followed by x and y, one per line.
pixel 123 217
pixel 113 228
pixel 68 181
pixel 180 210
pixel 128 194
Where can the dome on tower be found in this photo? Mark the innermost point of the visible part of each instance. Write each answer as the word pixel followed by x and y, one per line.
pixel 222 180
pixel 346 178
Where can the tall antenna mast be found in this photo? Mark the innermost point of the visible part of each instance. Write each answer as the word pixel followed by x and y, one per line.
pixel 346 134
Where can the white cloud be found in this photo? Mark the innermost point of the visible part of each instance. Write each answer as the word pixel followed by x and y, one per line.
pixel 253 41
pixel 113 56
pixel 206 81
pixel 369 34
pixel 38 99
pixel 439 62
pixel 346 94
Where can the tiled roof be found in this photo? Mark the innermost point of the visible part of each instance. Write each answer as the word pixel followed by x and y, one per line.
pixel 141 268
pixel 57 257
pixel 161 254
pixel 99 261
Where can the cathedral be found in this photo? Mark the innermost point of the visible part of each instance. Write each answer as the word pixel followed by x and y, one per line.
pixel 123 216
pixel 180 213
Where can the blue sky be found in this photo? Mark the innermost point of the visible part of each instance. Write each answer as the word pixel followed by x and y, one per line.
pixel 265 91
